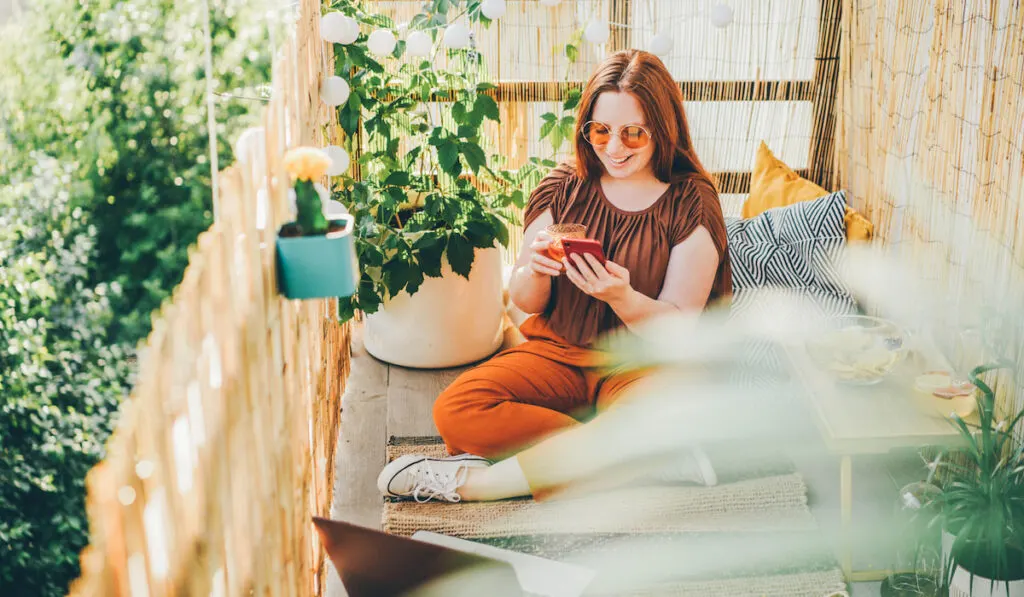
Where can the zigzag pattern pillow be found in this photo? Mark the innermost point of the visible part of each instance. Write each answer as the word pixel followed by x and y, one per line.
pixel 793 249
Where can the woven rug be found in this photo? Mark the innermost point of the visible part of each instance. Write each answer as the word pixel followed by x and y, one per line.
pixel 765 496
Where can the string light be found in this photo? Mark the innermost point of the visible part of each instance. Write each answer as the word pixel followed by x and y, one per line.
pixel 334 91
pixel 493 9
pixel 661 44
pixel 597 31
pixel 419 44
pixel 339 160
pixel 338 28
pixel 721 15
pixel 381 42
pixel 456 36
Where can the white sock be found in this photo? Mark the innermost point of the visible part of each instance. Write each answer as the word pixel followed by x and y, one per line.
pixel 499 481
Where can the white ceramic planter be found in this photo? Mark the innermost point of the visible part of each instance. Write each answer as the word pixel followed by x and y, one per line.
pixel 450 321
pixel 964 584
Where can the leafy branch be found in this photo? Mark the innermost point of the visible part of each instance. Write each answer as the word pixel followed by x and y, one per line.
pixel 429 190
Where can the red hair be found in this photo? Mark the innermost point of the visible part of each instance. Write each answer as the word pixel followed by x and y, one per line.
pixel 644 75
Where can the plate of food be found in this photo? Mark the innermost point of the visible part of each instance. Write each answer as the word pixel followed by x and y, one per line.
pixel 859 349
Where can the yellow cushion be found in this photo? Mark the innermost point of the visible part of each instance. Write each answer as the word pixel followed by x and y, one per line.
pixel 774 184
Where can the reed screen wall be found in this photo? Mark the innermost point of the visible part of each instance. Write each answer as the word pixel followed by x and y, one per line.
pixel 931 146
pixel 225 449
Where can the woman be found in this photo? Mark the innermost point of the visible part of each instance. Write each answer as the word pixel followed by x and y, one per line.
pixel 639 188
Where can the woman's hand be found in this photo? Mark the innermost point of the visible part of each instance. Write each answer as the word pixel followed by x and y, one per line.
pixel 609 283
pixel 540 262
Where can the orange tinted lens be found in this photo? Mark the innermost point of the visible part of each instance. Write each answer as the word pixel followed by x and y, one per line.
pixel 597 134
pixel 634 137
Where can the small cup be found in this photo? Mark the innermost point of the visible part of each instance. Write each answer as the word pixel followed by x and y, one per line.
pixel 560 231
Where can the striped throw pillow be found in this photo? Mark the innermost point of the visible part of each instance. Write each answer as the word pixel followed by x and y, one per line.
pixel 793 248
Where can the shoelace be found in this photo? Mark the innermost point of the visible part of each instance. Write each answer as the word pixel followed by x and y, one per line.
pixel 429 484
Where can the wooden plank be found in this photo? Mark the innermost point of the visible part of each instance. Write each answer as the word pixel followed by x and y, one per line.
pixel 411 395
pixel 622 37
pixel 705 91
pixel 361 443
pixel 739 182
pixel 826 76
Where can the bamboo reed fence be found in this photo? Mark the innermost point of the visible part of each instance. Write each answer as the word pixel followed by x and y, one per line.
pixel 931 147
pixel 225 449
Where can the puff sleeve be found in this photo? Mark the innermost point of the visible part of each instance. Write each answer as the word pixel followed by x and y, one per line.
pixel 551 193
pixel 700 206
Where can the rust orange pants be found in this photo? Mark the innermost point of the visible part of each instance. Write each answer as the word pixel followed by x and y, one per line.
pixel 526 394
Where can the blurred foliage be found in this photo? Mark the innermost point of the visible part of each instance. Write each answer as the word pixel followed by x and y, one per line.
pixel 60 380
pixel 104 185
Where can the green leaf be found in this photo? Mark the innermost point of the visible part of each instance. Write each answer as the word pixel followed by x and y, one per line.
pixel 430 250
pixel 418 22
pixel 485 86
pixel 481 233
pixel 548 117
pixel 569 121
pixel 460 255
pixel 572 52
pixel 557 137
pixel 397 274
pixel 412 155
pixel 468 132
pixel 475 157
pixel 546 128
pixel 448 157
pixel 398 178
pixel 486 105
pixel 459 114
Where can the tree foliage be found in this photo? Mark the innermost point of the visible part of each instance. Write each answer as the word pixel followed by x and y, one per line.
pixel 104 185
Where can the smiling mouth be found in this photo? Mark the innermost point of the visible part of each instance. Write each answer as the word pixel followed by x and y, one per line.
pixel 619 162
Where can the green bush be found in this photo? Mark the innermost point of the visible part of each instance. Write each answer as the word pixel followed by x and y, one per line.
pixel 142 126
pixel 61 383
pixel 104 184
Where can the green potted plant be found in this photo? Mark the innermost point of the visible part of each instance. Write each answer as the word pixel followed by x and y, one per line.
pixel 315 256
pixel 431 197
pixel 981 506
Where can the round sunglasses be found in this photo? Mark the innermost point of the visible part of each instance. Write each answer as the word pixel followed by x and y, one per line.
pixel 632 136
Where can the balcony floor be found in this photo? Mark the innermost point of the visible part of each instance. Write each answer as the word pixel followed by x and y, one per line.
pixel 382 400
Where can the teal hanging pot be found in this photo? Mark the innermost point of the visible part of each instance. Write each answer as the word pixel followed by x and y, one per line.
pixel 322 266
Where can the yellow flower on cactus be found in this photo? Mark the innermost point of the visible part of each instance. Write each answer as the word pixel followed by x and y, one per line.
pixel 306 163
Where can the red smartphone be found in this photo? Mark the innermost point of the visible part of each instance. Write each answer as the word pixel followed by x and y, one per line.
pixel 583 246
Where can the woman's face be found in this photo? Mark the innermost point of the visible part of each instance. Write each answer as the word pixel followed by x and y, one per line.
pixel 617 109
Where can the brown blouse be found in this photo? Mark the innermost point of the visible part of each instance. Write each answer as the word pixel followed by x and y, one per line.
pixel 640 241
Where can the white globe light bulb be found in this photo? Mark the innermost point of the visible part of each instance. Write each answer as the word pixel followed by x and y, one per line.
pixel 493 9
pixel 334 91
pixel 721 15
pixel 597 32
pixel 419 44
pixel 456 36
pixel 661 44
pixel 251 146
pixel 339 160
pixel 381 42
pixel 549 2
pixel 337 28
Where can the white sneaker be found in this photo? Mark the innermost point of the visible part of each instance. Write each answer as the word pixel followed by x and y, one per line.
pixel 424 479
pixel 692 467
